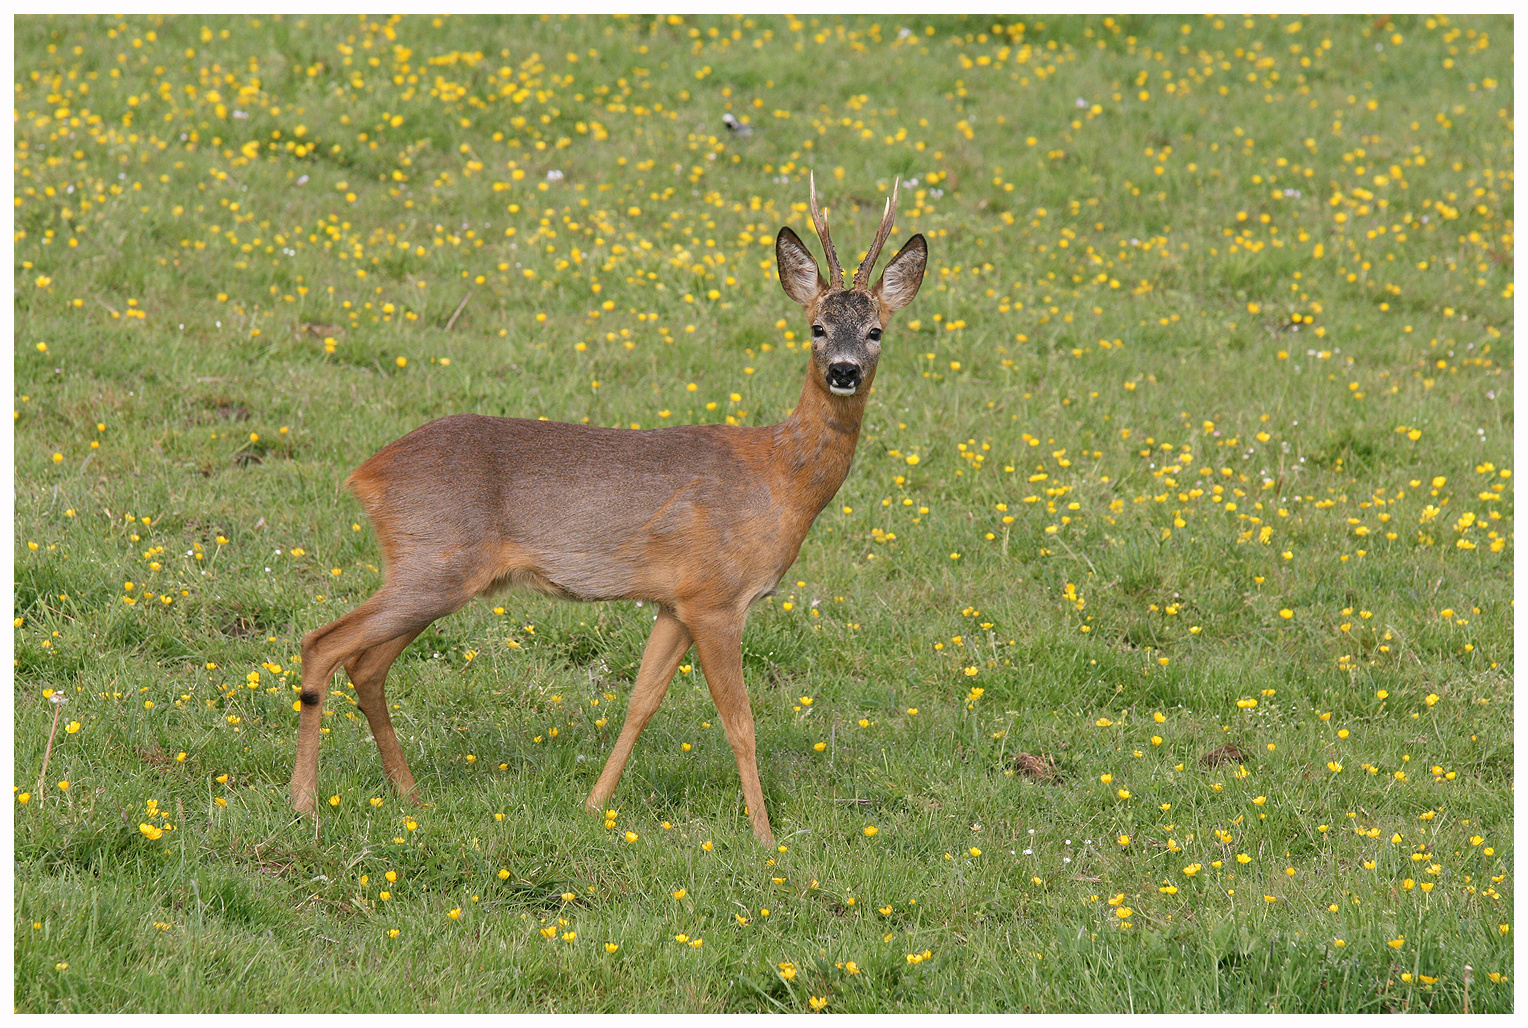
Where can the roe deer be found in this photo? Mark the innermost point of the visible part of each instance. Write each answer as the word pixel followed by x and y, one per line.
pixel 701 520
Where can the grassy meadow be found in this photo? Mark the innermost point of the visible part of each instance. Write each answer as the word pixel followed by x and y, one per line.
pixel 1156 655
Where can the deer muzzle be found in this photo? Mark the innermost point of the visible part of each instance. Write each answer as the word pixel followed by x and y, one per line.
pixel 844 378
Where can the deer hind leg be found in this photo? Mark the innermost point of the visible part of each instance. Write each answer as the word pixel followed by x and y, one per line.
pixel 719 646
pixel 390 614
pixel 368 673
pixel 666 647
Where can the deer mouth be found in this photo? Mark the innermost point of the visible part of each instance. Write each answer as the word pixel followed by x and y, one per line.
pixel 844 378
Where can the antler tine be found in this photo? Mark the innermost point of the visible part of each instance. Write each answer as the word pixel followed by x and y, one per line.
pixel 862 276
pixel 820 222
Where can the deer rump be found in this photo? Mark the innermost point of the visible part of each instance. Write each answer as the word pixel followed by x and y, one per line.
pixel 578 512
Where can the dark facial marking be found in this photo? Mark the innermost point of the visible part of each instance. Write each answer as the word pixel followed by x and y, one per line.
pixel 848 304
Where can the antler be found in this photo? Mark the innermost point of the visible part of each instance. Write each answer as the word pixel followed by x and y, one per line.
pixel 862 276
pixel 820 222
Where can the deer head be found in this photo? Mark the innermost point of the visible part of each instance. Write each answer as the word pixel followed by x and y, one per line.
pixel 847 323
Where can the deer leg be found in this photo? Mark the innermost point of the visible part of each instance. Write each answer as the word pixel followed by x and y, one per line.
pixel 666 647
pixel 368 672
pixel 390 614
pixel 721 658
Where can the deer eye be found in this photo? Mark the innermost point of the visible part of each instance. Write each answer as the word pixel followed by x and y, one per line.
pixel 818 332
pixel 875 335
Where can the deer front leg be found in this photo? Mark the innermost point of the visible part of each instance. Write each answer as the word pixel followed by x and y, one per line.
pixel 666 647
pixel 719 646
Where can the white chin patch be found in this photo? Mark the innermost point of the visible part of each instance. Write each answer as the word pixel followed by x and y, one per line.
pixel 841 390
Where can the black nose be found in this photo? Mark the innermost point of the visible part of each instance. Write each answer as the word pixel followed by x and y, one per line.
pixel 844 376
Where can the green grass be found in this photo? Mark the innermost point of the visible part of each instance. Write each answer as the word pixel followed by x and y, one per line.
pixel 1209 387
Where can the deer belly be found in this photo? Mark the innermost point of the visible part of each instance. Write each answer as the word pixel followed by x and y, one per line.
pixel 676 554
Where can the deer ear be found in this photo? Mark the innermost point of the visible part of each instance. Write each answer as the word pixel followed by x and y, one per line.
pixel 799 276
pixel 899 283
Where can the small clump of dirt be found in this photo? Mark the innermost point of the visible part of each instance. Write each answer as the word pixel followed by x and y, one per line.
pixel 1227 754
pixel 155 756
pixel 1041 769
pixel 320 331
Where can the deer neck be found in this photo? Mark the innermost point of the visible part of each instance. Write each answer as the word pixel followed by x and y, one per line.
pixel 814 447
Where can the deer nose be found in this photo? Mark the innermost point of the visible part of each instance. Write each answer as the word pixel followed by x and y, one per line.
pixel 843 377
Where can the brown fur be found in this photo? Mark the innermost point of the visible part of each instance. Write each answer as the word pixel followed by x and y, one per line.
pixel 702 520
